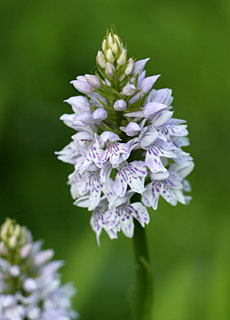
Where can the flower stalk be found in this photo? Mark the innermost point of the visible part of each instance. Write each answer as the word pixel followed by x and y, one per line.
pixel 144 278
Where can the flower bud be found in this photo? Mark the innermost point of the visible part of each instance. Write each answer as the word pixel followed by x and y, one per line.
pixel 12 234
pixel 129 90
pixel 109 69
pixel 104 45
pixel 122 58
pixel 29 285
pixel 93 80
pixel 130 66
pixel 14 271
pixel 100 59
pixel 82 86
pixel 115 48
pixel 132 129
pixel 100 114
pixel 120 105
pixel 110 40
pixel 109 55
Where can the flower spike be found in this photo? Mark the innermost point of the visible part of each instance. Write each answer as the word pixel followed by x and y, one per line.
pixel 127 143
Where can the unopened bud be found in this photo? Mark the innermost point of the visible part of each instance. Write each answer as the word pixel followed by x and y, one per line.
pixel 104 45
pixel 110 40
pixel 29 285
pixel 120 105
pixel 130 66
pixel 122 58
pixel 12 234
pixel 109 69
pixel 100 60
pixel 14 271
pixel 109 55
pixel 100 114
pixel 115 48
pixel 129 90
pixel 132 129
pixel 118 39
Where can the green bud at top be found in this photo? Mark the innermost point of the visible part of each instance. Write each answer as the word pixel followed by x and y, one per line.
pixel 12 235
pixel 112 60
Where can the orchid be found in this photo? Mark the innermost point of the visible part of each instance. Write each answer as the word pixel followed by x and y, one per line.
pixel 30 286
pixel 127 147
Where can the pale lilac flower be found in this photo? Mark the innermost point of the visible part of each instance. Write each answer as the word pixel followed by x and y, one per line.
pixel 36 292
pixel 127 143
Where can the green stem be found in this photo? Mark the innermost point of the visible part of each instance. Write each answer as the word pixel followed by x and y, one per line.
pixel 144 281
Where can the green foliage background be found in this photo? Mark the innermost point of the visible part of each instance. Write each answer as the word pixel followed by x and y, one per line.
pixel 44 45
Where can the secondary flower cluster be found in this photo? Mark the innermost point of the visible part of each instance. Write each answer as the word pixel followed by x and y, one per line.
pixel 29 282
pixel 127 149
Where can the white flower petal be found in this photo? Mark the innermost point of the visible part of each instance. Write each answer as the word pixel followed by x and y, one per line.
pixel 140 213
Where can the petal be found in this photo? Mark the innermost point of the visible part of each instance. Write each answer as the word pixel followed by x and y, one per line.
pixel 179 131
pixel 153 161
pixel 120 185
pixel 127 225
pixel 96 224
pixel 138 168
pixel 78 103
pixel 82 86
pixel 147 197
pixel 138 114
pixel 147 84
pixel 109 136
pixel 163 96
pixel 179 196
pixel 86 117
pixel 183 168
pixel 139 66
pixel 136 184
pixel 156 186
pixel 167 195
pixel 181 142
pixel 148 139
pixel 152 108
pixel 82 202
pixel 140 213
pixel 159 175
pixel 162 118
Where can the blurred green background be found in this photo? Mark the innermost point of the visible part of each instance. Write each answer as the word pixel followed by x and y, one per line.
pixel 44 45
